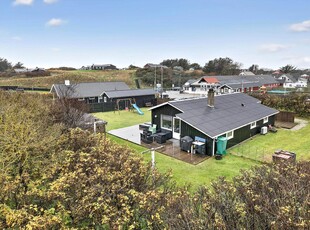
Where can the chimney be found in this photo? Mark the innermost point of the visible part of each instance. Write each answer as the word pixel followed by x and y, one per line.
pixel 211 98
pixel 67 82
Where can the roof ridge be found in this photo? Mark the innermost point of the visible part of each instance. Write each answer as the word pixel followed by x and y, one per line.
pixel 95 82
pixel 203 97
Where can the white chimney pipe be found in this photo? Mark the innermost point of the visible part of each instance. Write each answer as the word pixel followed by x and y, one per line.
pixel 67 82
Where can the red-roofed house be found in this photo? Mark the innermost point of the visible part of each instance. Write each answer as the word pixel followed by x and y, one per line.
pixel 206 83
pixel 203 85
pixel 209 80
pixel 230 84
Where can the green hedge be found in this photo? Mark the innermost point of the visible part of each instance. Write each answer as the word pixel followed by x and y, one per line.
pixel 293 102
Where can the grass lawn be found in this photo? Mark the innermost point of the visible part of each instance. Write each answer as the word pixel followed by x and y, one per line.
pixel 183 173
pixel 124 118
pixel 196 175
pixel 261 147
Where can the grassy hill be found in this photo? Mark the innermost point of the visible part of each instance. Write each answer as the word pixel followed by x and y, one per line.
pixel 76 76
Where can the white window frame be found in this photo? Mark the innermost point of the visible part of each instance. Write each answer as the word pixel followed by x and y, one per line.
pixel 230 136
pixel 265 120
pixel 253 125
pixel 161 121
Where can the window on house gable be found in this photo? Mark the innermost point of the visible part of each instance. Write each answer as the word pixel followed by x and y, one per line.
pixel 166 122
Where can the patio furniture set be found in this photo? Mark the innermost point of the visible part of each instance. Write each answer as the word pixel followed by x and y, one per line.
pixel 151 134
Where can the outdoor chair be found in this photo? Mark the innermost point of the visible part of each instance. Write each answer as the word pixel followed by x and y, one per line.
pixel 152 129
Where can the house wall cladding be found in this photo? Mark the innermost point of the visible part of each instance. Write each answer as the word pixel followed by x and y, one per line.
pixel 165 110
pixel 142 100
pixel 246 132
pixel 240 134
pixel 111 103
pixel 187 130
pixel 101 107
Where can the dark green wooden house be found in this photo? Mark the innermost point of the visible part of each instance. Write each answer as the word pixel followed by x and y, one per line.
pixel 104 96
pixel 235 116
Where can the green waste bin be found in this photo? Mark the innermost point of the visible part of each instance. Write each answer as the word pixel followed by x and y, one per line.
pixel 221 145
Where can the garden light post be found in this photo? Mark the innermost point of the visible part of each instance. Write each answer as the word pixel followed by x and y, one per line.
pixel 152 150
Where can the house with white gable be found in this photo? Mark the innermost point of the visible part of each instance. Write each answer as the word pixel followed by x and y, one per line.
pixel 291 81
pixel 230 84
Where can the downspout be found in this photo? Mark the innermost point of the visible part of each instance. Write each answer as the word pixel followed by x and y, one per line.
pixel 213 147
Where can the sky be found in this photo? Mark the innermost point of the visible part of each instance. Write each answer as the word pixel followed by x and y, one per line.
pixel 54 33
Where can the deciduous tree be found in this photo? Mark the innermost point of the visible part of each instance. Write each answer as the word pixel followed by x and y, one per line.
pixel 288 68
pixel 4 65
pixel 18 65
pixel 222 66
pixel 195 66
pixel 67 110
pixel 184 63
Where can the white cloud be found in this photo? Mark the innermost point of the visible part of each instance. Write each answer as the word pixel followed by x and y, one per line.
pixel 306 59
pixel 273 47
pixel 301 27
pixel 17 38
pixel 23 2
pixel 50 1
pixel 55 22
pixel 299 61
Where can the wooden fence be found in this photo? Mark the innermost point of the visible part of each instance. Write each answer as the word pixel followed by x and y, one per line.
pixel 285 117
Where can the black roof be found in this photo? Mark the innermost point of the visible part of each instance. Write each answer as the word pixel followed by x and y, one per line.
pixel 255 80
pixel 228 113
pixel 293 78
pixel 130 93
pixel 90 89
pixel 244 85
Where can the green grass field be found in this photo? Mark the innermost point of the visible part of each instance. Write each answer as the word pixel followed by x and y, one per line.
pixel 75 76
pixel 195 175
pixel 261 147
pixel 183 173
pixel 123 118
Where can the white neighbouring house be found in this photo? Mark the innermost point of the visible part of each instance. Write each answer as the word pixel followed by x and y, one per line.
pixel 246 73
pixel 230 84
pixel 293 82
